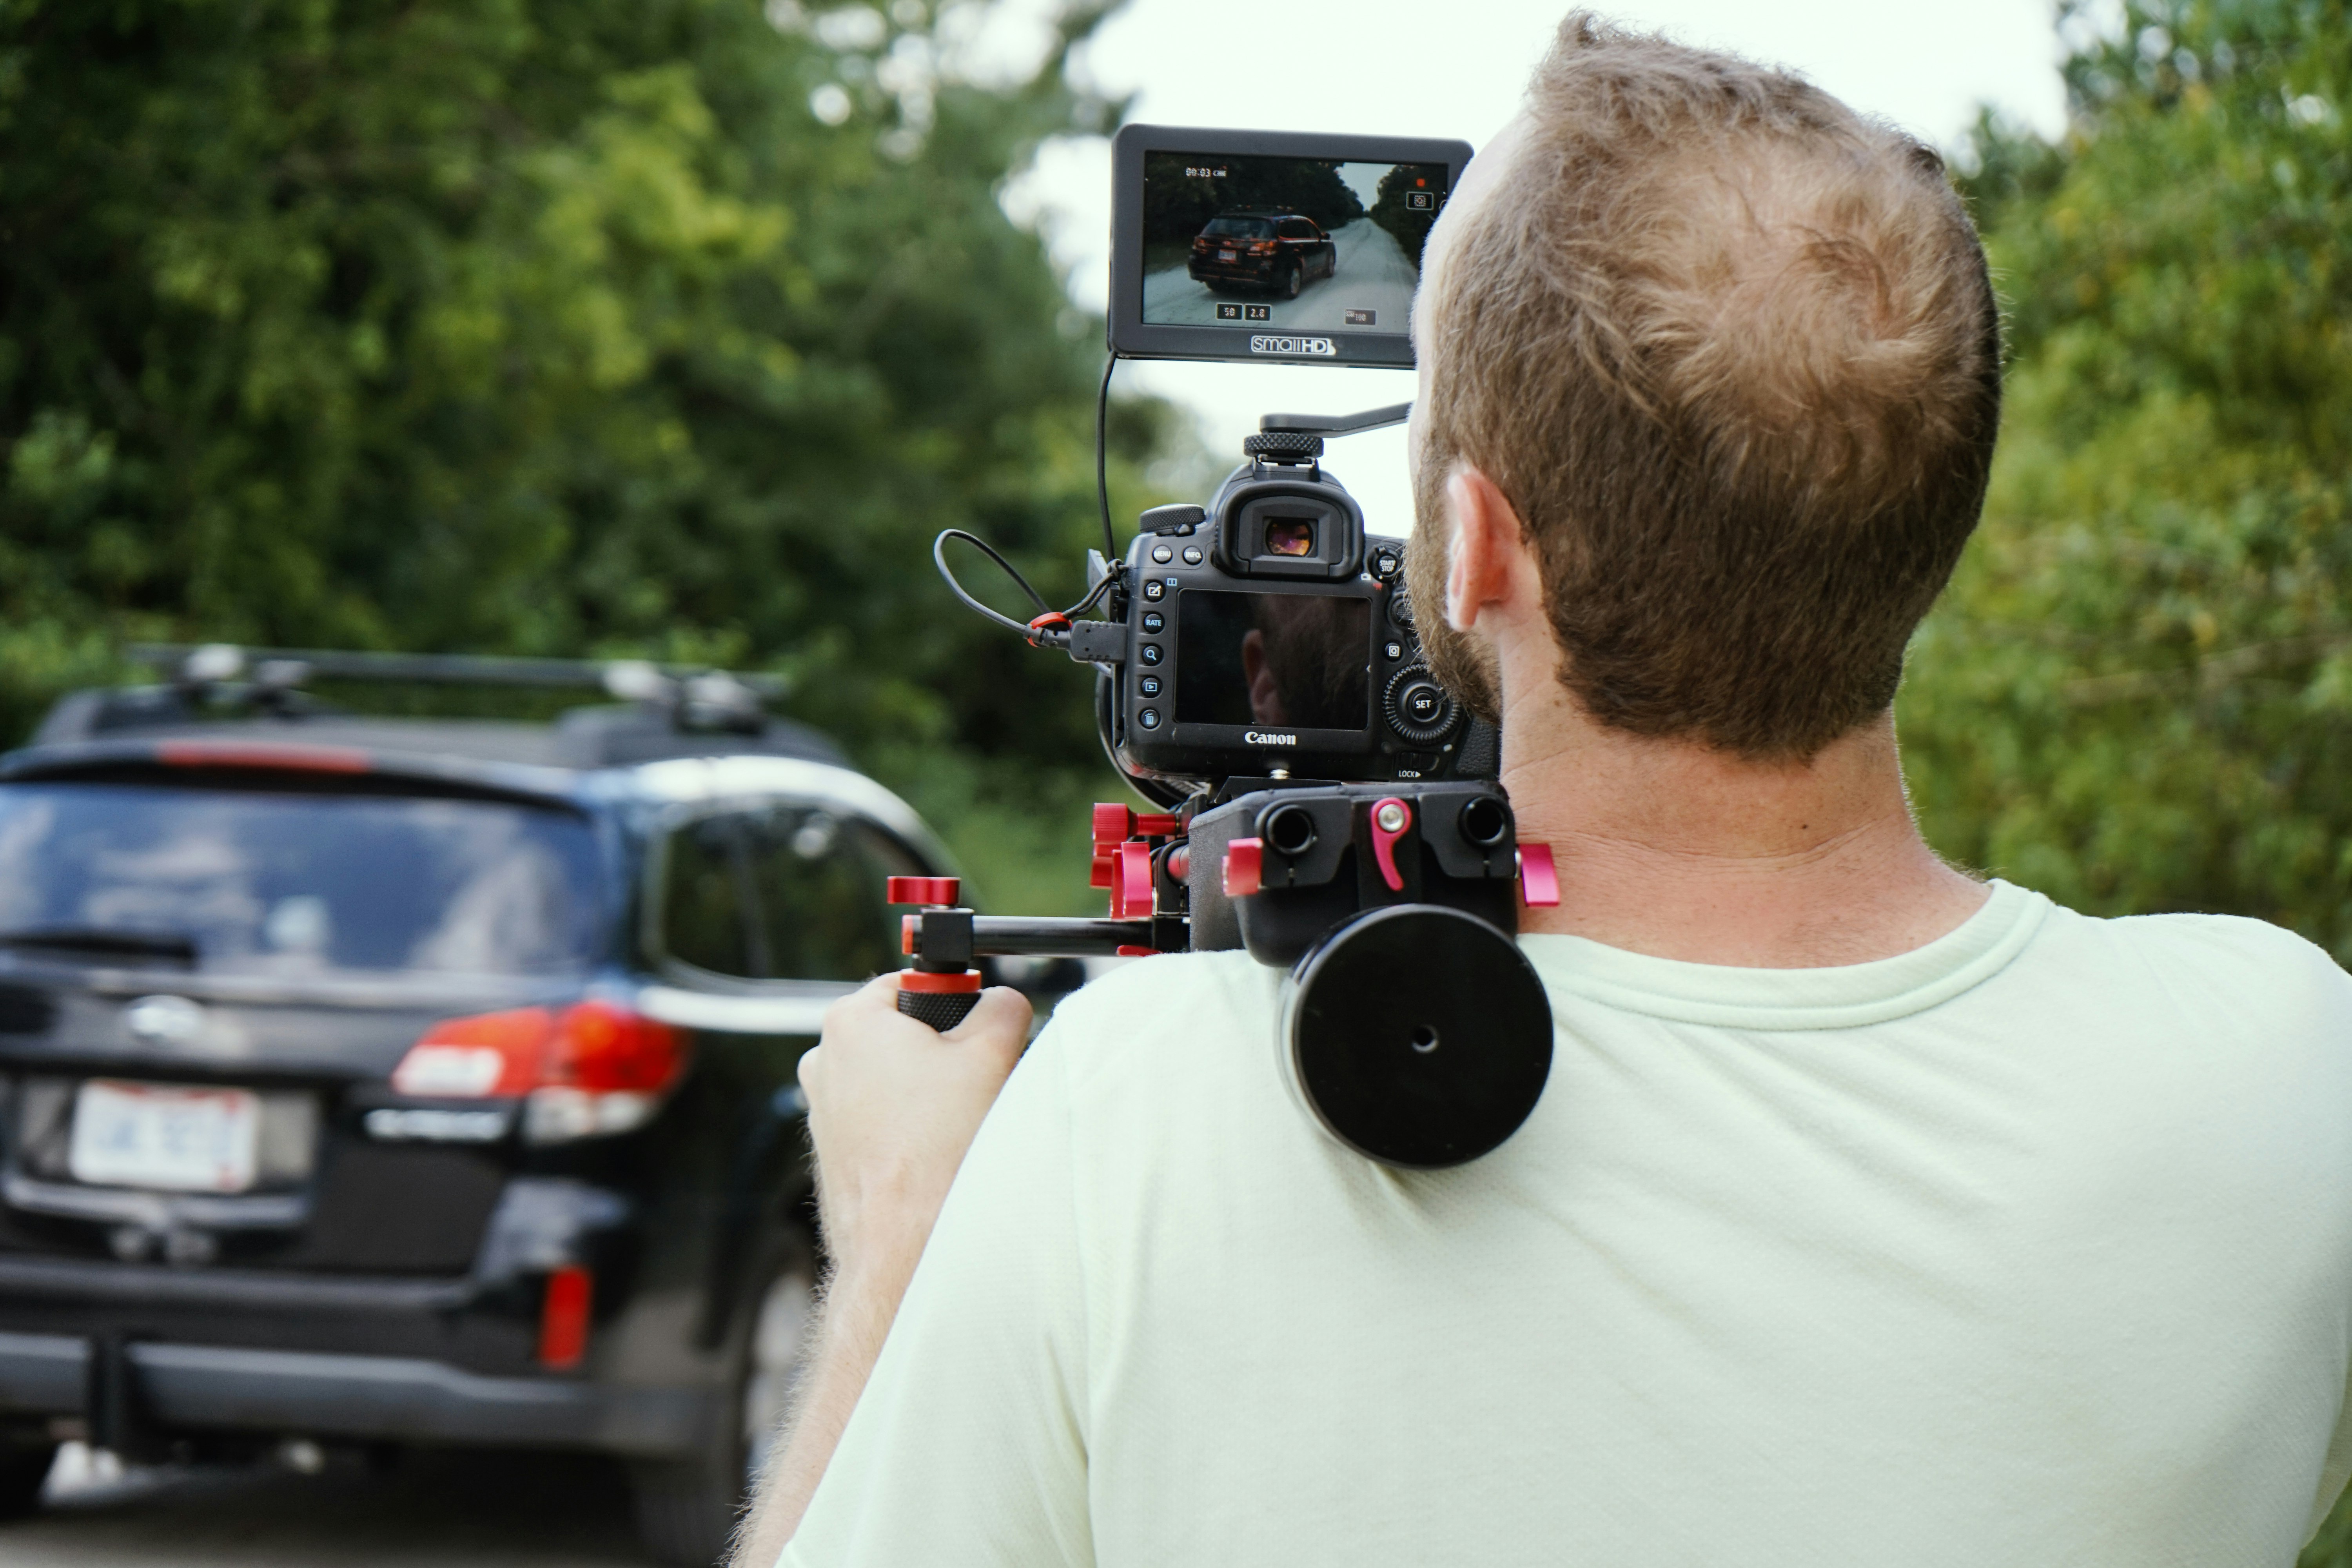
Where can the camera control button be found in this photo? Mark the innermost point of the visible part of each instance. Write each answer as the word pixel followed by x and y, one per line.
pixel 1401 607
pixel 1154 622
pixel 1153 588
pixel 1387 564
pixel 1149 653
pixel 1418 709
pixel 1148 718
pixel 1394 649
pixel 1192 556
pixel 1149 685
pixel 1163 553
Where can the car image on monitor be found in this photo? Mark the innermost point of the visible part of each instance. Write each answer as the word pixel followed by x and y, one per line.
pixel 1258 248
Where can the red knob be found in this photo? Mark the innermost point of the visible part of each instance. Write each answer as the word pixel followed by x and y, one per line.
pixel 1113 826
pixel 1244 864
pixel 924 890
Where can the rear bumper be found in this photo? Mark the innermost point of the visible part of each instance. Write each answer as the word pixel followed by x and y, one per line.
pixel 1235 271
pixel 215 1388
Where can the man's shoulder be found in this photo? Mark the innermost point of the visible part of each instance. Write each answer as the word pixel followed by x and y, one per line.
pixel 2232 950
pixel 2241 977
pixel 1188 1002
pixel 1172 992
pixel 1158 1051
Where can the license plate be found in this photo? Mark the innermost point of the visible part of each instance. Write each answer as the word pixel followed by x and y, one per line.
pixel 165 1136
pixel 1225 256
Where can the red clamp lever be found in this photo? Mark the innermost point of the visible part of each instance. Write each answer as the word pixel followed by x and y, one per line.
pixel 1391 820
pixel 1131 894
pixel 1538 882
pixel 1244 867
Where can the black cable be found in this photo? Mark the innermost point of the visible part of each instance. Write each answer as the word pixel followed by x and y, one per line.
pixel 1102 462
pixel 939 559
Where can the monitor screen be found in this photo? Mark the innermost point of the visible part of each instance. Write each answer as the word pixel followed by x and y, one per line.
pixel 1263 243
pixel 1299 661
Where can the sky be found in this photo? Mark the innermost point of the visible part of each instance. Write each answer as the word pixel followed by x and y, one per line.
pixel 1457 69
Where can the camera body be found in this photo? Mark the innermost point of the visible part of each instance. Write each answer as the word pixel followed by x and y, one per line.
pixel 1268 635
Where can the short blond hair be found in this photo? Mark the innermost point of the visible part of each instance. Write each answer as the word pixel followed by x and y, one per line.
pixel 1731 351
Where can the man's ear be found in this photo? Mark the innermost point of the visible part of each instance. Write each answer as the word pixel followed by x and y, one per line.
pixel 1489 562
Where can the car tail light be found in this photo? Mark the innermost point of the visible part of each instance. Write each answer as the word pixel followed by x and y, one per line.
pixel 563 1317
pixel 1261 247
pixel 585 1069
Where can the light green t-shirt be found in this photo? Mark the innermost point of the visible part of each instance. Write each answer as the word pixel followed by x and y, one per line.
pixel 2031 1246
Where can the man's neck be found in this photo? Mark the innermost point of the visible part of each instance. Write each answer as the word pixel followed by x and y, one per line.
pixel 1680 851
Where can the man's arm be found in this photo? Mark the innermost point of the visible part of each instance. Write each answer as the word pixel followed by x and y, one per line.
pixel 893 1106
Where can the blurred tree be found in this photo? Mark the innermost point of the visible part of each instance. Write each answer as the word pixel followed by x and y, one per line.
pixel 2137 694
pixel 1394 210
pixel 668 327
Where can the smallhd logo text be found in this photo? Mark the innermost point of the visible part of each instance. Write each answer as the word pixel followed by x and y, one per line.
pixel 1264 344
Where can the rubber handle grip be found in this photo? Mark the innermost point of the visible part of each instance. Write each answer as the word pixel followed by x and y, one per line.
pixel 943 1010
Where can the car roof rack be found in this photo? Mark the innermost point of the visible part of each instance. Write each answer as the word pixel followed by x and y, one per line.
pixel 700 695
pixel 667 711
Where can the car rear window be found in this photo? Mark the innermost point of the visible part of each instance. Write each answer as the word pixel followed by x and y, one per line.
pixel 255 881
pixel 1239 228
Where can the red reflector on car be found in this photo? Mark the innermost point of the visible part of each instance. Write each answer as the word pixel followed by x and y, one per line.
pixel 563 1317
pixel 247 754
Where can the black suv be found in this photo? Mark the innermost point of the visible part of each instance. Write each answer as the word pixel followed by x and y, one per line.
pixel 1262 248
pixel 409 1081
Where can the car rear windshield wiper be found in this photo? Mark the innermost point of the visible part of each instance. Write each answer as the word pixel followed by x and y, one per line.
pixel 103 942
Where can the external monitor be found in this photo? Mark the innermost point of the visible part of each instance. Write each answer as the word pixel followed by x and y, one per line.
pixel 1263 245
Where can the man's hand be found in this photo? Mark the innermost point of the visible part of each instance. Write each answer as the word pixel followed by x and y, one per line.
pixel 893 1105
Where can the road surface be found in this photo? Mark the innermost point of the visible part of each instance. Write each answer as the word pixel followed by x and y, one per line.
pixel 445 1510
pixel 1372 275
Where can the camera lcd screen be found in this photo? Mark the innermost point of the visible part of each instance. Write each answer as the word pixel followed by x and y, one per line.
pixel 1298 660
pixel 1274 244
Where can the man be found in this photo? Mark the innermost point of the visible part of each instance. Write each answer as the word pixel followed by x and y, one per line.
pixel 1871 1214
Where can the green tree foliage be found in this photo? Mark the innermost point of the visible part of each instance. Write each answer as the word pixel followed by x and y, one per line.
pixel 2137 694
pixel 666 327
pixel 1392 208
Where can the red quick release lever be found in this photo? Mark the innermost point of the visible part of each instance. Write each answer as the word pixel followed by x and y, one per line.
pixel 1244 867
pixel 1391 820
pixel 1538 882
pixel 1131 893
